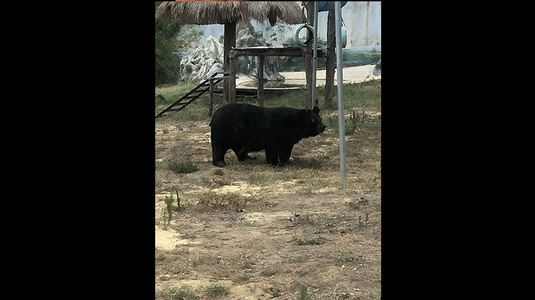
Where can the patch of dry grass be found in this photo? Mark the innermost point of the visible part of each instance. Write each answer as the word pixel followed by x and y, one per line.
pixel 185 147
pixel 245 221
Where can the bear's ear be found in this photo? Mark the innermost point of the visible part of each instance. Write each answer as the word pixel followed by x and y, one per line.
pixel 316 110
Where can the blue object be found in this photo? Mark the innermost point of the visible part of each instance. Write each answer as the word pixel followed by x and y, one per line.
pixel 303 42
pixel 344 36
pixel 328 5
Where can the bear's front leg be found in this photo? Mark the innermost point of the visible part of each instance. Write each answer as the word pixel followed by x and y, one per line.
pixel 285 154
pixel 272 156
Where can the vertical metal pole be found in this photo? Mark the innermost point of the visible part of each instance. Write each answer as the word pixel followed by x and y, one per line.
pixel 340 85
pixel 315 56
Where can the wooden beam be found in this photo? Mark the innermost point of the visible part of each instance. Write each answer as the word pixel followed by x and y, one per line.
pixel 266 51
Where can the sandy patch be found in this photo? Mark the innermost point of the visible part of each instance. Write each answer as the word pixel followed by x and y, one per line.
pixel 257 218
pixel 239 187
pixel 168 239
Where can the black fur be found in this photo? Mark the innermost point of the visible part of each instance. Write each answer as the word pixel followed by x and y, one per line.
pixel 247 128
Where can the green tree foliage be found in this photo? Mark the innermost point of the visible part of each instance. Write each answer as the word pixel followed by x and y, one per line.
pixel 171 37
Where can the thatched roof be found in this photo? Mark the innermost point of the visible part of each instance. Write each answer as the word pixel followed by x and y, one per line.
pixel 221 12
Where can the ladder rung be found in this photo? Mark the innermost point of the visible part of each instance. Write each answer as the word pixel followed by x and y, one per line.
pixel 190 97
pixel 181 103
pixel 199 91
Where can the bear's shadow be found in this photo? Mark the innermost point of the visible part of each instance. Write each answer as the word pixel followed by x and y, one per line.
pixel 259 159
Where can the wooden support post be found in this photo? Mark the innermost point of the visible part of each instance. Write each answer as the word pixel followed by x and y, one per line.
pixel 177 201
pixel 260 91
pixel 232 77
pixel 308 53
pixel 228 43
pixel 211 108
pixel 329 61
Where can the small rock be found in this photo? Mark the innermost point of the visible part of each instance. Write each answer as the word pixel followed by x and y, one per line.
pixel 218 172
pixel 164 277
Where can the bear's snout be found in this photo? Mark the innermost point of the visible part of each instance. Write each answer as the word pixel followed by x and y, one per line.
pixel 321 128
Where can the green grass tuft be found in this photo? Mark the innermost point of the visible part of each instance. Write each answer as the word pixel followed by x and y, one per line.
pixel 176 293
pixel 180 166
pixel 216 291
pixel 316 239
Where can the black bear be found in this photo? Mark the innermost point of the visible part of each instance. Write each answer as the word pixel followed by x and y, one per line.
pixel 246 128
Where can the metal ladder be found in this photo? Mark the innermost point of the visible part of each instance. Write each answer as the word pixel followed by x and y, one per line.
pixel 195 93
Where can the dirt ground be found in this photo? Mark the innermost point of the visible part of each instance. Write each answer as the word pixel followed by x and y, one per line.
pixel 240 226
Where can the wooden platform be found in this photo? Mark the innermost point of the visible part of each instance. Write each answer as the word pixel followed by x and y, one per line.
pixel 271 51
pixel 261 52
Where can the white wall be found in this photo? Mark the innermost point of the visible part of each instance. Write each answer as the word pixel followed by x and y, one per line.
pixel 362 21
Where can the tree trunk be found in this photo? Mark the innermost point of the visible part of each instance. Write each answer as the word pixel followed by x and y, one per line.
pixel 329 62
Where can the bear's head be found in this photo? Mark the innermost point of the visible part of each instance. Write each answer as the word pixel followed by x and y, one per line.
pixel 312 122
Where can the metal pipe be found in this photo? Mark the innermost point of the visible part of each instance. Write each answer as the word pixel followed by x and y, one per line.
pixel 340 85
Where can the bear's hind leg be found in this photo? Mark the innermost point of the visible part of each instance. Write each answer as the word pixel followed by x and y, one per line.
pixel 241 154
pixel 218 156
